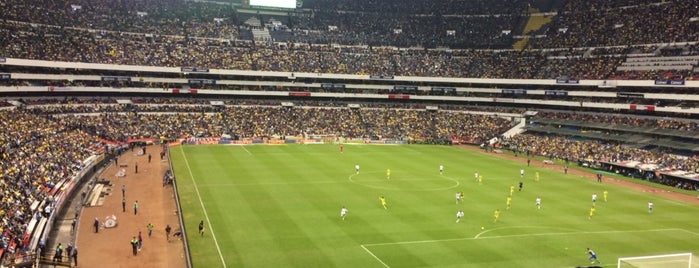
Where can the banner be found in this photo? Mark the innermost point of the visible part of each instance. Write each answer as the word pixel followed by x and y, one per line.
pixel 5 76
pixel 3 60
pixel 380 77
pixel 637 107
pixel 299 94
pixel 556 93
pixel 630 95
pixel 202 81
pixel 398 97
pixel 567 81
pixel 116 78
pixel 514 92
pixel 194 70
pixel 332 86
pixel 669 82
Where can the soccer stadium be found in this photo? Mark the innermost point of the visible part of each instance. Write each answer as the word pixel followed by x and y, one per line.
pixel 349 133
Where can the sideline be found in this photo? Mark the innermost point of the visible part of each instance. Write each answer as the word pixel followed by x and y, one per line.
pixel 206 215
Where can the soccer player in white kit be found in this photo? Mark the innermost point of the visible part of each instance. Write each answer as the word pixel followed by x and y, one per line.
pixel 459 215
pixel 521 173
pixel 538 202
pixel 458 197
pixel 594 198
pixel 475 176
pixel 343 213
pixel 441 169
pixel 650 207
pixel 356 168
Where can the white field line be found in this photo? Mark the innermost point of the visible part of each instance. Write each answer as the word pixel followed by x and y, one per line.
pixel 377 258
pixel 272 183
pixel 206 215
pixel 246 149
pixel 508 236
pixel 311 182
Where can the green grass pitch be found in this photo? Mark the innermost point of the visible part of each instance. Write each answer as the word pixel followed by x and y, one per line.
pixel 279 206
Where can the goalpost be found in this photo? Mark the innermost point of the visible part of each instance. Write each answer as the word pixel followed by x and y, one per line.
pixel 679 260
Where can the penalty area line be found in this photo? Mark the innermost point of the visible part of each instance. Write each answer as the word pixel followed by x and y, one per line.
pixel 377 258
pixel 517 235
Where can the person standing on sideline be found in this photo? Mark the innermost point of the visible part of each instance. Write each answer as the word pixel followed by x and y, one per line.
pixel 150 229
pixel 97 225
pixel 69 250
pixel 342 148
pixel 123 191
pixel 136 168
pixel 599 177
pixel 140 240
pixel 59 253
pixel 134 246
pixel 135 207
pixel 123 205
pixel 201 228
pixel 650 207
pixel 529 161
pixel 565 169
pixel 343 213
pixel 74 256
pixel 167 232
pixel 149 157
pixel 72 225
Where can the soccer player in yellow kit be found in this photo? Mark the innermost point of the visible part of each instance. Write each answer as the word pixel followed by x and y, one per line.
pixel 383 202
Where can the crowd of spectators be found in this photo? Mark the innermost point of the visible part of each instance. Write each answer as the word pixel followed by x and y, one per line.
pixel 593 151
pixel 375 27
pixel 44 43
pixel 175 33
pixel 690 126
pixel 446 7
pixel 37 153
pixel 584 23
pixel 159 17
pixel 122 122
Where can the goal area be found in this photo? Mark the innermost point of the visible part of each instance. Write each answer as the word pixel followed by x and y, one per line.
pixel 679 260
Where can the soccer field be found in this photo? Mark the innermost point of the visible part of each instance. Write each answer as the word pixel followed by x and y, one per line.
pixel 279 206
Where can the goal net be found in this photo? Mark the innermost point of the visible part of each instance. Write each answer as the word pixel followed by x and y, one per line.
pixel 680 260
